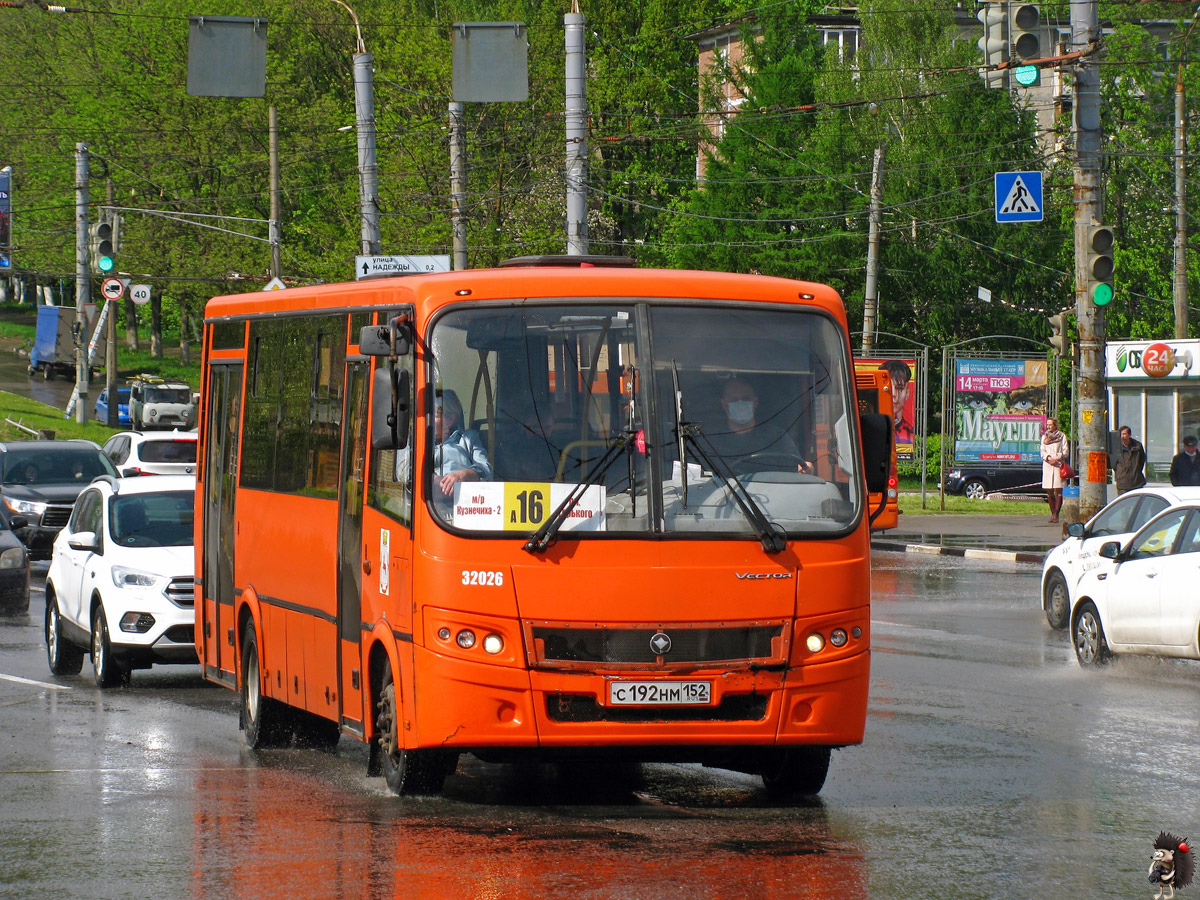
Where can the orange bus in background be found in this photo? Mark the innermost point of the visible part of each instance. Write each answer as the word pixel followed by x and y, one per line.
pixel 503 511
pixel 875 396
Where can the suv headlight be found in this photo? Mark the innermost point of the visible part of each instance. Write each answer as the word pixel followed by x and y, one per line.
pixel 12 558
pixel 26 507
pixel 135 578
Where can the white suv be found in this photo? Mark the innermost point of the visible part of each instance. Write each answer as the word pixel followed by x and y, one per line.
pixel 155 453
pixel 120 583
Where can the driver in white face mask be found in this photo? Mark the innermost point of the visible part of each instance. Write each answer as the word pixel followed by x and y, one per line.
pixel 744 436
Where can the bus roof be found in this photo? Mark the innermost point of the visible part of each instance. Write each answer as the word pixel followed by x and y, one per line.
pixel 540 281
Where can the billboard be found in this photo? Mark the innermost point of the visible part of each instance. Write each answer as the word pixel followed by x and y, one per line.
pixel 1000 408
pixel 904 398
pixel 5 218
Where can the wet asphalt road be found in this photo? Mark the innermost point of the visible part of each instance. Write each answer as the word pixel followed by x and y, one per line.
pixel 15 378
pixel 993 767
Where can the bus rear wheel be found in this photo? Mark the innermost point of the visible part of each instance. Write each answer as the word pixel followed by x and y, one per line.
pixel 405 771
pixel 265 721
pixel 795 772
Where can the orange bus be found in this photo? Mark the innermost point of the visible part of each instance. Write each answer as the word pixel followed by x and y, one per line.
pixel 875 396
pixel 504 511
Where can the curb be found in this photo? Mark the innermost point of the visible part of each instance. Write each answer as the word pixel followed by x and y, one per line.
pixel 962 552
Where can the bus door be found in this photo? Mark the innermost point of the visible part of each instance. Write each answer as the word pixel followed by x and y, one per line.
pixel 352 560
pixel 220 491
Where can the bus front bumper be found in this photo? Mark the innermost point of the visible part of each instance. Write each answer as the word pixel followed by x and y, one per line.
pixel 468 705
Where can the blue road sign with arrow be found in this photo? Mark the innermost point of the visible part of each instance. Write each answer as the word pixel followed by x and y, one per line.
pixel 1018 196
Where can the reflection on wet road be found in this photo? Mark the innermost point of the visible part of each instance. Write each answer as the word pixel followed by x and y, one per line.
pixel 993 767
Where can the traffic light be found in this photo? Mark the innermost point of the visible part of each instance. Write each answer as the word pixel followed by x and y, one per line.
pixel 1058 338
pixel 1098 246
pixel 103 239
pixel 1025 39
pixel 994 43
pixel 1025 30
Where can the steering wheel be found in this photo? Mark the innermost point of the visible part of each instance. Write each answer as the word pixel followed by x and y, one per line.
pixel 769 461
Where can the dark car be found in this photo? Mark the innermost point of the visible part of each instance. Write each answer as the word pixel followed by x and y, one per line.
pixel 40 480
pixel 14 566
pixel 977 480
pixel 123 419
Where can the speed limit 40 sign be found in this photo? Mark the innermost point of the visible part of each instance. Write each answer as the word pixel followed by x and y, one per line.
pixel 139 294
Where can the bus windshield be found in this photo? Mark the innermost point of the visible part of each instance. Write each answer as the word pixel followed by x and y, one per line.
pixel 684 418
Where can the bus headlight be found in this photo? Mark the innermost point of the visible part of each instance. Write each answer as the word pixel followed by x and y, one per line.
pixel 815 643
pixel 465 639
pixel 493 644
pixel 838 637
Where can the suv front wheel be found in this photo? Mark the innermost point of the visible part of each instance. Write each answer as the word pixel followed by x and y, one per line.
pixel 109 671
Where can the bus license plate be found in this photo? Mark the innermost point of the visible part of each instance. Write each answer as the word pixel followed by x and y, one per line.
pixel 659 693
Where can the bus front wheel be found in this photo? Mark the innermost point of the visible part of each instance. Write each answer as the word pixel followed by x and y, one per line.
pixel 264 720
pixel 795 772
pixel 405 771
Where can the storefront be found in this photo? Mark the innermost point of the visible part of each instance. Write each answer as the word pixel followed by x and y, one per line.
pixel 1154 388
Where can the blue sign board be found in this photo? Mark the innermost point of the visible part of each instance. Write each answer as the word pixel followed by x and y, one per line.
pixel 1018 196
pixel 5 218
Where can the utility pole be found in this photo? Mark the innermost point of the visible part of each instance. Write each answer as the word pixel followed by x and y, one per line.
pixel 273 226
pixel 364 118
pixel 110 339
pixel 871 294
pixel 458 186
pixel 576 131
pixel 1180 282
pixel 1092 439
pixel 368 168
pixel 82 279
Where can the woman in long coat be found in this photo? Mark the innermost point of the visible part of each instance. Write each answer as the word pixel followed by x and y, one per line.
pixel 1054 454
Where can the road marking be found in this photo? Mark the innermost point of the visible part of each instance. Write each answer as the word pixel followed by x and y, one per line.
pixel 19 680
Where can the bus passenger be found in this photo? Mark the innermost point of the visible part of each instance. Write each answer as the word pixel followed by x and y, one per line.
pixel 745 437
pixel 459 454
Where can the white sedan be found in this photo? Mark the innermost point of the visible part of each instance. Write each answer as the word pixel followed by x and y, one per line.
pixel 1145 602
pixel 1079 553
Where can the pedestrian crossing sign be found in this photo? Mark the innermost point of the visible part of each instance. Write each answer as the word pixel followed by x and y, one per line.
pixel 1018 196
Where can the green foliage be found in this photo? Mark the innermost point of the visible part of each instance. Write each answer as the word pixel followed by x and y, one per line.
pixel 788 185
pixel 786 190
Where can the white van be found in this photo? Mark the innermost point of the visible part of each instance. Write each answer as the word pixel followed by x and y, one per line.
pixel 157 403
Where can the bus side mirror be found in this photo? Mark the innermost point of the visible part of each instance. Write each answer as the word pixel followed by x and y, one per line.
pixel 373 340
pixel 390 409
pixel 876 432
pixel 395 337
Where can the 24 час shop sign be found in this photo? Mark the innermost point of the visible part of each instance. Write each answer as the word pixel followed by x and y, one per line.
pixel 999 409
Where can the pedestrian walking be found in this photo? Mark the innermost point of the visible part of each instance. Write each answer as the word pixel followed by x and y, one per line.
pixel 1185 467
pixel 1129 462
pixel 1054 454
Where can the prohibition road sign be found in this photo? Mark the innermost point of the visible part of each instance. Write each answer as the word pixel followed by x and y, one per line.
pixel 112 288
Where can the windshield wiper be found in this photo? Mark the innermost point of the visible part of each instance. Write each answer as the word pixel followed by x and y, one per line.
pixel 544 536
pixel 687 433
pixel 770 535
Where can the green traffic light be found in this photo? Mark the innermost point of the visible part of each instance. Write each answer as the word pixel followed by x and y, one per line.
pixel 104 263
pixel 1027 76
pixel 1102 294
